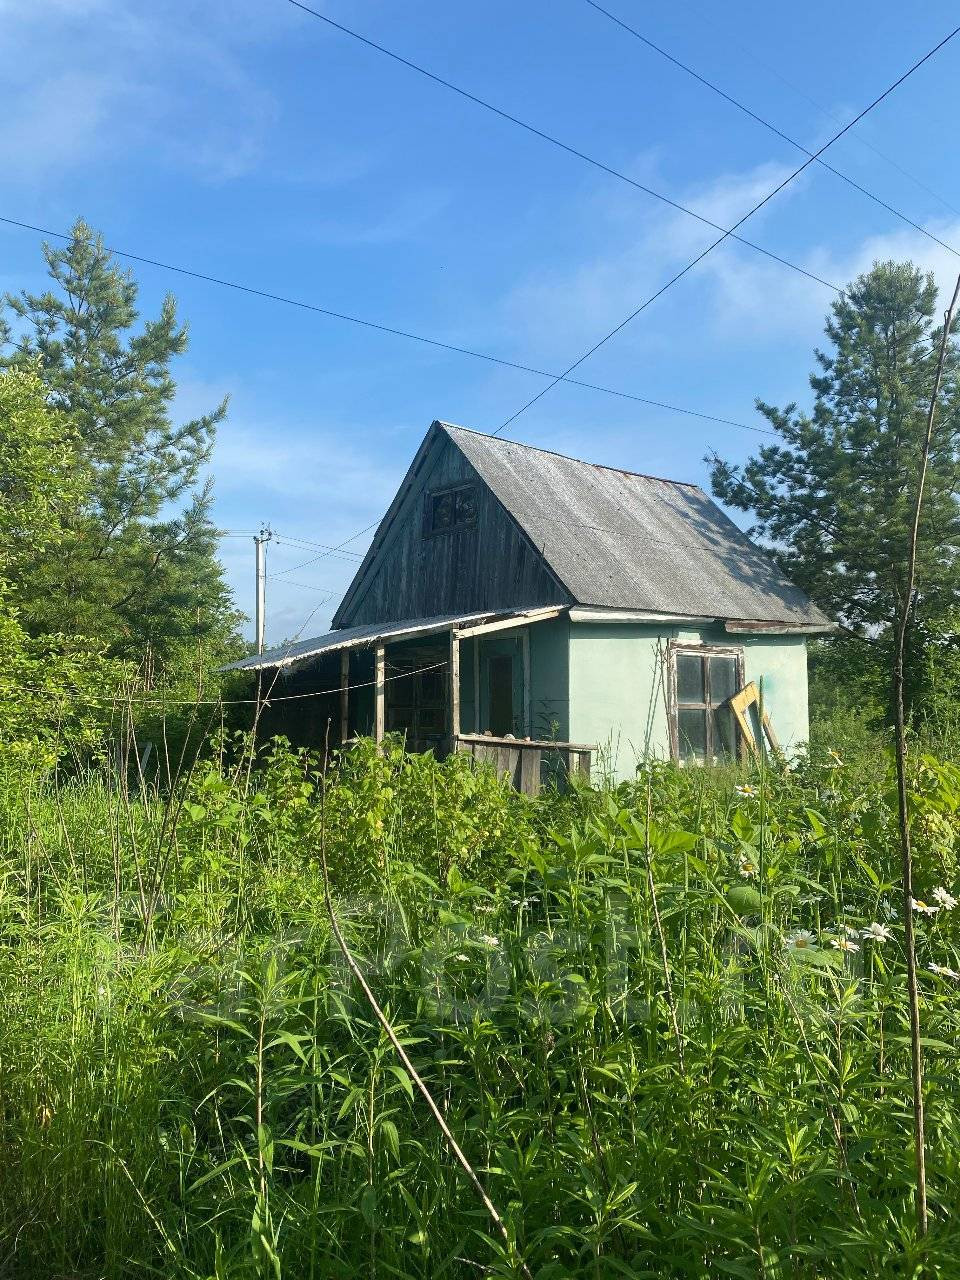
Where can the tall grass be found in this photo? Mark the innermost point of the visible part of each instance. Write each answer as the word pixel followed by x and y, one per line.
pixel 597 987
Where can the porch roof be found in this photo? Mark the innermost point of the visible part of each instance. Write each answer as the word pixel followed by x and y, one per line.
pixel 379 632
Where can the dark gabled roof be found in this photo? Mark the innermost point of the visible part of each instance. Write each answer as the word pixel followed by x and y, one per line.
pixel 616 539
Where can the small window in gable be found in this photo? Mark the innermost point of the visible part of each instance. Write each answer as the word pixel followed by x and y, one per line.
pixel 703 724
pixel 451 509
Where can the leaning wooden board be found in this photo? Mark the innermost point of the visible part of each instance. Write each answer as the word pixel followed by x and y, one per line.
pixel 740 704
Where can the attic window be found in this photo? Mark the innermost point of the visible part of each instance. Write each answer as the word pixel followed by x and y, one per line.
pixel 451 509
pixel 703 679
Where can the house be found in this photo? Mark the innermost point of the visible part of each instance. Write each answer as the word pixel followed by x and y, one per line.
pixel 512 593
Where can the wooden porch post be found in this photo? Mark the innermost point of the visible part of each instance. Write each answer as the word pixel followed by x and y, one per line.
pixel 527 702
pixel 379 689
pixel 454 687
pixel 477 723
pixel 344 696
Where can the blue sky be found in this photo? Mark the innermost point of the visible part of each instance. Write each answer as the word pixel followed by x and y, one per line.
pixel 248 140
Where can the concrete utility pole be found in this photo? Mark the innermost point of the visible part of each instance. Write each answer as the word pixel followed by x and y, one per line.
pixel 259 541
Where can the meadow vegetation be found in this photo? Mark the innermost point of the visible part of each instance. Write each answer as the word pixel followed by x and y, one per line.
pixel 666 1020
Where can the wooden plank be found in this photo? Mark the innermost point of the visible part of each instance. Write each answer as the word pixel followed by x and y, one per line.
pixel 513 623
pixel 454 674
pixel 344 696
pixel 543 743
pixel 530 758
pixel 583 763
pixel 513 764
pixel 527 704
pixel 740 704
pixel 379 690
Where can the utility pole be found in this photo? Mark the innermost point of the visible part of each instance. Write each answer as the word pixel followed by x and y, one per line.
pixel 259 541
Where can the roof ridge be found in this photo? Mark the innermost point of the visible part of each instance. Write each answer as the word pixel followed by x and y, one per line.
pixel 555 453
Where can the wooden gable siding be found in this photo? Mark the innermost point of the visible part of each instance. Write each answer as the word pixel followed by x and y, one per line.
pixel 490 565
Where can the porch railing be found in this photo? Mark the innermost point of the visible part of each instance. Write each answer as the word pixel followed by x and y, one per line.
pixel 523 759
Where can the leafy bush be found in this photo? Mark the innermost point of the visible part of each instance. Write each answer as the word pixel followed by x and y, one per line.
pixel 649 1013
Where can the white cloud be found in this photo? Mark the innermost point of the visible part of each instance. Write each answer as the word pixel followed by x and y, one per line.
pixel 741 296
pixel 166 78
pixel 567 309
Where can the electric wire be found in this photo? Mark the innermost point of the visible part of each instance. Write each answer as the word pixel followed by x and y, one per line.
pixel 330 314
pixel 765 65
pixel 766 124
pixel 721 240
pixel 153 700
pixel 563 146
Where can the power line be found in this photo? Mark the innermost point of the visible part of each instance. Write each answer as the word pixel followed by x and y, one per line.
pixel 716 243
pixel 557 142
pixel 330 592
pixel 766 124
pixel 286 540
pixel 384 328
pixel 265 700
pixel 830 115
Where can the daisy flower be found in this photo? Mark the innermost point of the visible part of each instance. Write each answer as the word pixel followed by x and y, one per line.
pixel 746 790
pixel 876 932
pixel 747 867
pixel 943 971
pixel 801 940
pixel 944 899
pixel 844 944
pixel 922 908
pixel 836 762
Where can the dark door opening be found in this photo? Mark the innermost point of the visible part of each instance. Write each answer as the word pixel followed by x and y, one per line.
pixel 501 694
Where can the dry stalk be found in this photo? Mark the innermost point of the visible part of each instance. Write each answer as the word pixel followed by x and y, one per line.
pixel 903 621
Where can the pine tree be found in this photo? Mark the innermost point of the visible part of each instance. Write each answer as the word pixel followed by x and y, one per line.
pixel 833 497
pixel 136 570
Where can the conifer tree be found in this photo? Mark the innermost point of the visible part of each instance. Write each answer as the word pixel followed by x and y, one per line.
pixel 136 570
pixel 833 496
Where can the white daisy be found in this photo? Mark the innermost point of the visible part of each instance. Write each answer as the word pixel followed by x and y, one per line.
pixel 747 867
pixel 944 899
pixel 746 790
pixel 843 944
pixel 943 971
pixel 922 908
pixel 876 932
pixel 801 940
pixel 489 940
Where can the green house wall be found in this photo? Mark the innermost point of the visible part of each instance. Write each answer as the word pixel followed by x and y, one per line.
pixel 617 701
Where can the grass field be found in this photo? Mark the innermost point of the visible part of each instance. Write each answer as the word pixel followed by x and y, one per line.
pixel 666 1021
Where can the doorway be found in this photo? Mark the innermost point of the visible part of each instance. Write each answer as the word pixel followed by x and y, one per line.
pixel 501 694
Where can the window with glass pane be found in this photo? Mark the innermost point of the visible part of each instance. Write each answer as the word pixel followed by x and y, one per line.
pixel 451 509
pixel 705 725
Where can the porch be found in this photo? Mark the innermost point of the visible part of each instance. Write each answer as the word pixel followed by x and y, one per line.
pixel 461 684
